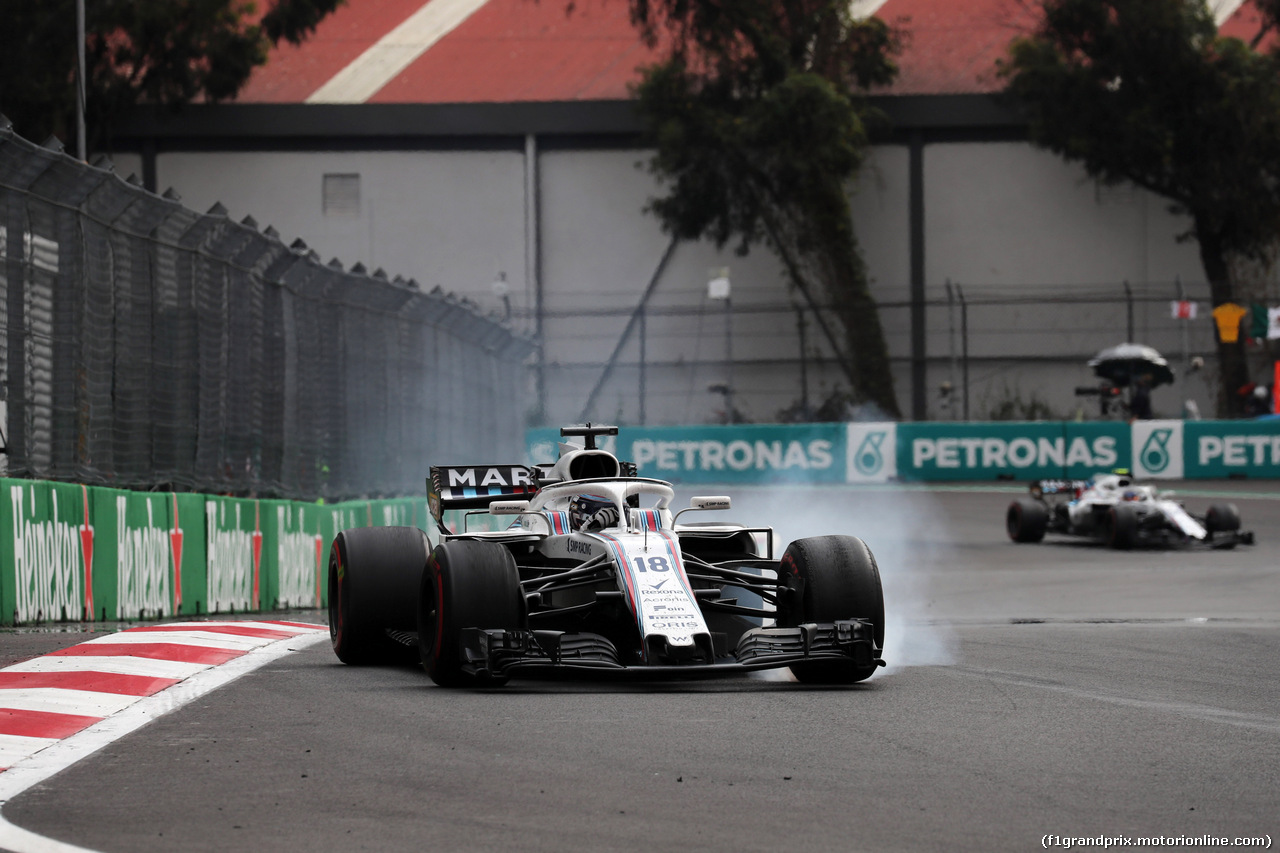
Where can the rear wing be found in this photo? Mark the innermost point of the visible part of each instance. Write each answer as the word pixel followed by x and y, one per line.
pixel 477 486
pixel 1039 488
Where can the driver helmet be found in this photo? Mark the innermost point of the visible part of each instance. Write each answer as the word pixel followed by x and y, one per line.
pixel 1130 495
pixel 592 512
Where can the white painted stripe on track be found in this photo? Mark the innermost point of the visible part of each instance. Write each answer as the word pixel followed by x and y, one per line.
pixel 59 700
pixel 13 748
pixel 293 628
pixel 202 639
pixel 62 754
pixel 1267 723
pixel 116 665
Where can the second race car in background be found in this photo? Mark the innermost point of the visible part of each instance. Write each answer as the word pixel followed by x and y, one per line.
pixel 1112 509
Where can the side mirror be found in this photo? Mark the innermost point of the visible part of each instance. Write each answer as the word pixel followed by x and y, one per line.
pixel 704 502
pixel 508 507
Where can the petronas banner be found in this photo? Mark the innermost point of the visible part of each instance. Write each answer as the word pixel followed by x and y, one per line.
pixel 743 453
pixel 886 452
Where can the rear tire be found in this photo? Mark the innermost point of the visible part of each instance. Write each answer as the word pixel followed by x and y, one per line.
pixel 467 584
pixel 374 574
pixel 1026 520
pixel 1122 527
pixel 841 581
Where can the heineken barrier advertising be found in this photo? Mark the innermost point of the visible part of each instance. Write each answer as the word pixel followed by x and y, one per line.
pixel 77 553
pixel 931 452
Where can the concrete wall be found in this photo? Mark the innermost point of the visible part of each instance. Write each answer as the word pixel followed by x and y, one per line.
pixel 1005 221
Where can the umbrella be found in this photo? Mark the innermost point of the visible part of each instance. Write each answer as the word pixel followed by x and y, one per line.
pixel 1125 363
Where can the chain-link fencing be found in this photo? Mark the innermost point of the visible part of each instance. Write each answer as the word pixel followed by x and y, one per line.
pixel 144 345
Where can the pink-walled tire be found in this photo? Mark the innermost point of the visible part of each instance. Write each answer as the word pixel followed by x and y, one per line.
pixel 374 573
pixel 841 581
pixel 1026 520
pixel 466 584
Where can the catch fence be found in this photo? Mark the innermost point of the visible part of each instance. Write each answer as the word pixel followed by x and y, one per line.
pixel 145 346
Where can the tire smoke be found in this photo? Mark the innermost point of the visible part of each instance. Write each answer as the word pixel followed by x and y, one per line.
pixel 906 531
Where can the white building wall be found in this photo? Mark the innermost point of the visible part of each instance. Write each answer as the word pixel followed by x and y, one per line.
pixel 453 219
pixel 1006 214
pixel 1001 219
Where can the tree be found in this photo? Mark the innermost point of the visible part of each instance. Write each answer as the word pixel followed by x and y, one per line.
pixel 137 51
pixel 1147 91
pixel 758 123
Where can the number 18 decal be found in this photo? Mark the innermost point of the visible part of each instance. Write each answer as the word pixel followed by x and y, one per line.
pixel 656 564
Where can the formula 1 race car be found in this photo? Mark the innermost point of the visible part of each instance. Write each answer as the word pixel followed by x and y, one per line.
pixel 595 576
pixel 1110 508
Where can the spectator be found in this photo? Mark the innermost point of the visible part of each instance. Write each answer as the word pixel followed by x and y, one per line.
pixel 1140 401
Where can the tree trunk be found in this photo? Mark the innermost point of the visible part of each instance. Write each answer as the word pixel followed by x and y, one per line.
pixel 845 279
pixel 1233 369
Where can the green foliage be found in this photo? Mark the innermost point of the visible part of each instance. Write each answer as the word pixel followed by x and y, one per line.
pixel 137 51
pixel 758 124
pixel 1010 405
pixel 1146 91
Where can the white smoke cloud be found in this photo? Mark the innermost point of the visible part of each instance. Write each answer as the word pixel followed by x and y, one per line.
pixel 904 528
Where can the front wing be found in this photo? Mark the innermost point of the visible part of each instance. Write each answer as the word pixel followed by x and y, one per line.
pixel 556 654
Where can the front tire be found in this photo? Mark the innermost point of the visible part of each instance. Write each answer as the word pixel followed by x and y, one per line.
pixel 373 581
pixel 841 581
pixel 1222 518
pixel 467 584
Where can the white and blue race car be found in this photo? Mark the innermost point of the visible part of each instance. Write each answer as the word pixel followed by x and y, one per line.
pixel 1111 508
pixel 589 572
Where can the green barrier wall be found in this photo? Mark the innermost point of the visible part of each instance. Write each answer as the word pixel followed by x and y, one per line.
pixel 77 553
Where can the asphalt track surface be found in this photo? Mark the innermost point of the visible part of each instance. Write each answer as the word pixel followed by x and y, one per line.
pixel 1055 689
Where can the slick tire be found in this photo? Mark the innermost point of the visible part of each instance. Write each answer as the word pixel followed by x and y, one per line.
pixel 1222 518
pixel 466 584
pixel 841 581
pixel 1026 520
pixel 1121 528
pixel 374 573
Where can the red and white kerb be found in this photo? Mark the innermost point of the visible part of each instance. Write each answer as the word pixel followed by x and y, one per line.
pixel 50 698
